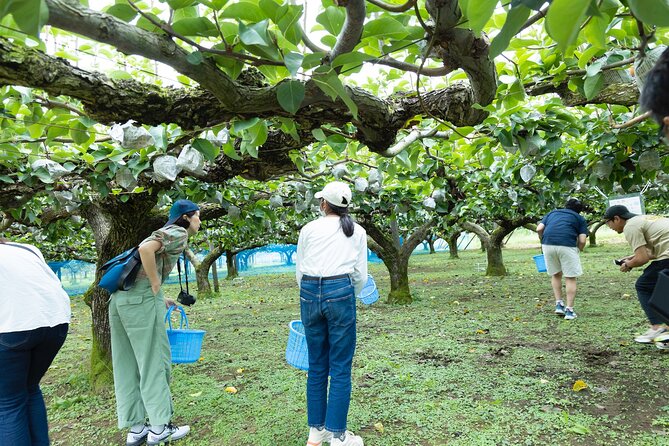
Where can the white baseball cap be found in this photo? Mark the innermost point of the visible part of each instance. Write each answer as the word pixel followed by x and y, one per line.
pixel 336 193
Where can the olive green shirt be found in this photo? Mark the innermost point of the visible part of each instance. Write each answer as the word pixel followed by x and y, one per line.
pixel 651 231
pixel 173 240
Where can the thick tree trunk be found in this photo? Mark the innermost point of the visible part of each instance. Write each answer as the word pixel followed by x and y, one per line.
pixel 395 257
pixel 593 233
pixel 202 276
pixel 453 245
pixel 398 269
pixel 493 242
pixel 495 260
pixel 202 271
pixel 231 264
pixel 430 242
pixel 116 227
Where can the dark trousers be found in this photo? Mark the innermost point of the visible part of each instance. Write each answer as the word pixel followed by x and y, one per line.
pixel 645 285
pixel 328 315
pixel 25 357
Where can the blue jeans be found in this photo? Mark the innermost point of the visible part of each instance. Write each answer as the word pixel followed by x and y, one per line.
pixel 328 315
pixel 645 285
pixel 25 357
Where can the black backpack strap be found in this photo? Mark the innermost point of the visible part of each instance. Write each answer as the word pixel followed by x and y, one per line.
pixel 185 271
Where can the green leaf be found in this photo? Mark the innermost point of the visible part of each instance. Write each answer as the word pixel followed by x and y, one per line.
pixel 195 26
pixel 351 59
pixel 244 10
pixel 255 34
pixel 564 19
pixel 479 12
pixel 270 8
pixel 29 15
pixel 515 19
pixel 230 152
pixel 195 58
pixel 79 133
pixel 593 85
pixel 532 4
pixel 218 4
pixel 293 62
pixel 385 28
pixel 288 126
pixel 327 80
pixel 289 23
pixel 595 31
pixel 290 95
pixel 206 148
pixel 332 19
pixel 337 142
pixel 122 11
pixel 240 126
pixel 587 55
pixel 257 133
pixel 651 12
pixel 178 4
pixel 318 134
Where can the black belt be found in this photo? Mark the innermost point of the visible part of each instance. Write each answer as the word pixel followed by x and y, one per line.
pixel 340 276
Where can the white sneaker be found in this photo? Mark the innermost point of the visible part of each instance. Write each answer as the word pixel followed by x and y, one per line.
pixel 662 341
pixel 650 335
pixel 169 433
pixel 137 438
pixel 318 436
pixel 349 440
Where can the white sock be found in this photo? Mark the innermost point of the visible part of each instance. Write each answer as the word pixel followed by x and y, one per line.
pixel 157 428
pixel 137 428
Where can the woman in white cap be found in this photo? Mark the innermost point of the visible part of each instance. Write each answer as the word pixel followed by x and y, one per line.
pixel 140 348
pixel 331 267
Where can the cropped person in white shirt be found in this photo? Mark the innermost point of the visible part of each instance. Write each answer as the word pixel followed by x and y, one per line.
pixel 331 270
pixel 35 317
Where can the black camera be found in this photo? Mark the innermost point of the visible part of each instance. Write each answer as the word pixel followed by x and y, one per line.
pixel 185 299
pixel 619 262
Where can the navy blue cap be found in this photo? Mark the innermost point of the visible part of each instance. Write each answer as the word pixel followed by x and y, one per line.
pixel 179 208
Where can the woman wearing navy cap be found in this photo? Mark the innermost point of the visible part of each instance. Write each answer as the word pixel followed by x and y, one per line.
pixel 140 348
pixel 331 267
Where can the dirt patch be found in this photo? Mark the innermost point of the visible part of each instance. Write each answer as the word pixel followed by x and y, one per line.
pixel 433 358
pixel 599 357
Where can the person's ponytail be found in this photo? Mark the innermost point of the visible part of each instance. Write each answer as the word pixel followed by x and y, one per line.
pixel 346 224
pixel 345 220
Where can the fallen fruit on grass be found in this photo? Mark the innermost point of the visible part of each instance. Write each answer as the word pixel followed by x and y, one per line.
pixel 579 385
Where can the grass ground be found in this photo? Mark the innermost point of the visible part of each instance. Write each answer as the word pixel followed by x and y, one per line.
pixel 473 361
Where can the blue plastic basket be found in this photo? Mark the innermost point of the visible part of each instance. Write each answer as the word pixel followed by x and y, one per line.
pixel 540 261
pixel 185 343
pixel 369 293
pixel 297 354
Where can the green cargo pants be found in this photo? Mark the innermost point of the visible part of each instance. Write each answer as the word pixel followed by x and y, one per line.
pixel 140 356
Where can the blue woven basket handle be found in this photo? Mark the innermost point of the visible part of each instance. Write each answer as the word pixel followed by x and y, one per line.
pixel 168 319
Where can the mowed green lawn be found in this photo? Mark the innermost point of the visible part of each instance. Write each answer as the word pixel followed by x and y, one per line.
pixel 474 360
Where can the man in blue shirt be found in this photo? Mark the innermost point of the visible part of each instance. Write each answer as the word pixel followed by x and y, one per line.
pixel 563 233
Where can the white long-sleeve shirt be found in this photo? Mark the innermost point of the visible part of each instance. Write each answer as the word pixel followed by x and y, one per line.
pixel 323 250
pixel 31 296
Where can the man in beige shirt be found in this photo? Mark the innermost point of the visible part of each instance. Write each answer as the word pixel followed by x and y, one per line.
pixel 648 235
